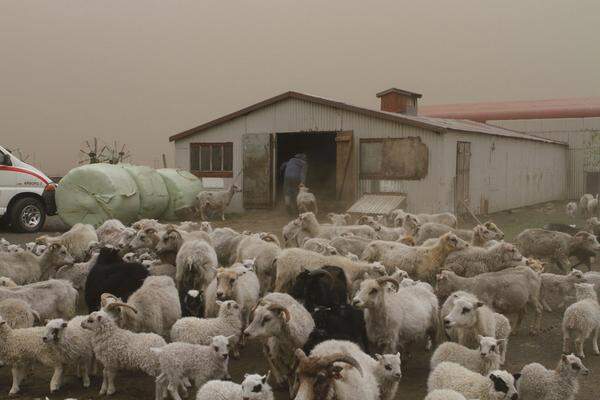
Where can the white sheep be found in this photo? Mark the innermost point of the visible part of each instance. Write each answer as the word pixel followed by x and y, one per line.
pixel 200 330
pixel 37 249
pixel 321 246
pixel 306 201
pixel 22 348
pixel 215 201
pixel 120 349
pixel 110 232
pixel 182 361
pixel 263 252
pixel 444 394
pixel 394 320
pixel 238 282
pixel 310 228
pixel 474 260
pixel 25 267
pixel 581 319
pixel 154 307
pixel 72 343
pixel 496 385
pixel 50 299
pixel 470 318
pixel 558 289
pixel 7 282
pixel 76 240
pixel 571 209
pixel 538 383
pixel 18 313
pixel 196 265
pixel 485 359
pixel 283 325
pixel 339 219
pixel 253 387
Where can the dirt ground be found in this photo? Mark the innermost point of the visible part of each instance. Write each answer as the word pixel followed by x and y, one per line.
pixel 523 349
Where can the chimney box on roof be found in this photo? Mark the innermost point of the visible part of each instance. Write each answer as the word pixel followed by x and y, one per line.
pixel 399 101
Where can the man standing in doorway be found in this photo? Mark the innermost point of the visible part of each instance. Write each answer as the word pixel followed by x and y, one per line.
pixel 294 173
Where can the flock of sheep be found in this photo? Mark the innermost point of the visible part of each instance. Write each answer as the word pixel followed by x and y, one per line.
pixel 338 307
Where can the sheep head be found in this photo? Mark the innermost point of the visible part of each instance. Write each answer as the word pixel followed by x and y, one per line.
pixel 510 254
pixel 586 241
pixel 450 243
pixel 267 320
pixel 371 291
pixel 146 238
pixel 316 374
pixel 229 308
pixel 495 229
pixel 226 281
pixel 411 225
pixel 255 386
pixel 170 241
pixel 464 313
pixel 390 366
pixel 58 255
pixel 54 330
pixel 571 365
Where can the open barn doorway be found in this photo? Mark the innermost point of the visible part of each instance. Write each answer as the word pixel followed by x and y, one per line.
pixel 320 150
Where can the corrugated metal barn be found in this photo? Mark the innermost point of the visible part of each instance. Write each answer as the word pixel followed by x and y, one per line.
pixel 437 163
pixel 574 121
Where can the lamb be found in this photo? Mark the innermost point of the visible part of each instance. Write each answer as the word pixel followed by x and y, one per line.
pixel 556 246
pixel 423 263
pixel 592 206
pixel 593 225
pixel 496 385
pixel 282 325
pixel 378 249
pixel 581 319
pixel 470 319
pixel 181 361
pixel 119 349
pixel 50 299
pixel 25 267
pixel 200 331
pixel 196 265
pixel 396 319
pixel 110 232
pixel 538 383
pixel 444 394
pixel 21 348
pixel 305 200
pixel 37 249
pixel 571 209
pixel 558 289
pixel 474 260
pixel 508 291
pixel 72 343
pixel 253 387
pixel 76 240
pixel 215 201
pixel 485 359
pixel 320 246
pixel 593 277
pixel 18 313
pixel 339 219
pixel 263 253
pixel 154 307
pixel 321 376
pixel 225 242
pixel 125 238
pixel 290 263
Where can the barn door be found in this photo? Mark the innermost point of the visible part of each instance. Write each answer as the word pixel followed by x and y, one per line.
pixel 258 170
pixel 463 174
pixel 345 179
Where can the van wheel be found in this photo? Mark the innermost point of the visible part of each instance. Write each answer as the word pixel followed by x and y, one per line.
pixel 27 215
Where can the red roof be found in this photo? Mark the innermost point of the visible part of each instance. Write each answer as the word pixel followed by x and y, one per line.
pixel 540 109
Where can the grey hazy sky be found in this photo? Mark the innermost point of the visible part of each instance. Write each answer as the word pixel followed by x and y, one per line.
pixel 139 71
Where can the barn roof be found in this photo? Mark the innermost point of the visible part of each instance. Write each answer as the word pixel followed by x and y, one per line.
pixel 439 125
pixel 509 110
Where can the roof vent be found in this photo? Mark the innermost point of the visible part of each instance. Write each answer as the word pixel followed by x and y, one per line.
pixel 399 101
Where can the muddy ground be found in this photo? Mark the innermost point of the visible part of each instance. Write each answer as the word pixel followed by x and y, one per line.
pixel 523 348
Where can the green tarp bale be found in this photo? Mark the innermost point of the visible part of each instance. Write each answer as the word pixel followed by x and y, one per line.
pixel 183 188
pixel 93 193
pixel 154 197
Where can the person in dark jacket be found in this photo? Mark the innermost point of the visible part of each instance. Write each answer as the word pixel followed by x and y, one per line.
pixel 294 173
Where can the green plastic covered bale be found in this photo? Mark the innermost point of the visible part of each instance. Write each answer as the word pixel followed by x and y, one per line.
pixel 183 188
pixel 91 194
pixel 154 197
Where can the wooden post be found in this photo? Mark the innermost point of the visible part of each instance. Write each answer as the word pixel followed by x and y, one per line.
pixel 164 160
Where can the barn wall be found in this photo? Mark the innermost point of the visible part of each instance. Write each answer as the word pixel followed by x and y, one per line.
pixel 583 137
pixel 434 193
pixel 508 173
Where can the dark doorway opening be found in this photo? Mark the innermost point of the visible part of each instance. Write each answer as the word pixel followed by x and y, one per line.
pixel 320 150
pixel 592 182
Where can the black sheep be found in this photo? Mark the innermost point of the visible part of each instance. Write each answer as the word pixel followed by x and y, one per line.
pixel 110 274
pixel 324 287
pixel 343 322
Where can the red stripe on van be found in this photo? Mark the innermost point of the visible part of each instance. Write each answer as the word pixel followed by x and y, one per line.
pixel 23 171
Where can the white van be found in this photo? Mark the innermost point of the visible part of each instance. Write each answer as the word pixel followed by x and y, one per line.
pixel 26 194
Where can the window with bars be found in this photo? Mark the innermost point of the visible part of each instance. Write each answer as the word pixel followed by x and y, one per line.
pixel 212 159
